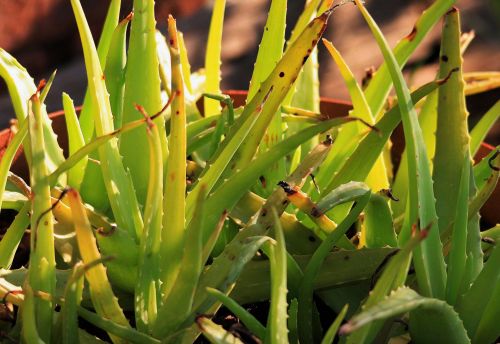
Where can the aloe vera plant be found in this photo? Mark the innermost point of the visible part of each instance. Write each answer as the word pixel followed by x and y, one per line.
pixel 169 214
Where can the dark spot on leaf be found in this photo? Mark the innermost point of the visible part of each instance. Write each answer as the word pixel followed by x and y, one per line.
pixel 263 213
pixel 287 188
pixel 444 58
pixel 346 257
pixel 263 181
pixel 172 41
pixel 45 223
pixel 311 238
pixel 315 212
pixel 282 74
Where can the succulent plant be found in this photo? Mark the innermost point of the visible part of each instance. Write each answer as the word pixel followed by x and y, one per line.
pixel 160 214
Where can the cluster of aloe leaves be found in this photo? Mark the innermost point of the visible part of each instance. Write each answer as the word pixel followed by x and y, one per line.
pixel 159 215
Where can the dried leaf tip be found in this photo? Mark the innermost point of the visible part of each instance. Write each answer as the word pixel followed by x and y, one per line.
pixel 128 18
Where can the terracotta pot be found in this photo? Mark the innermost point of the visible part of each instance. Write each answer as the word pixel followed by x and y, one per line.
pixel 329 107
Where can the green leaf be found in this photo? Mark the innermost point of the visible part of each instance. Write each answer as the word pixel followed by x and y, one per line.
pixel 75 142
pixel 480 306
pixel 334 327
pixel 102 295
pixel 458 253
pixel 361 194
pixel 178 303
pixel 243 315
pixel 452 134
pixel 115 68
pixel 212 58
pixel 41 275
pixel 379 87
pixel 377 226
pixel 72 298
pixel 403 300
pixel 226 196
pixel 13 236
pixel 21 87
pixel 118 184
pixel 429 260
pixel 147 291
pixel 277 325
pixel 8 157
pixel 392 277
pixel 103 47
pixel 269 54
pixel 226 268
pixel 174 202
pixel 359 164
pixel 216 334
pixel 142 87
pixel 344 144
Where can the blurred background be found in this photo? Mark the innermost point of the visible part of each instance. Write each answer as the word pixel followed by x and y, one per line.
pixel 42 35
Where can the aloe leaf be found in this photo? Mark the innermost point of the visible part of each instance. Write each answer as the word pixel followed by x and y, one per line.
pixel 243 315
pixel 114 69
pixel 473 305
pixel 226 268
pixel 359 164
pixel 392 277
pixel 270 52
pixel 221 158
pixel 45 91
pixel 343 147
pixel 215 334
pixel 177 305
pixel 361 194
pixel 147 292
pixel 429 261
pixel 142 87
pixel 72 298
pixel 29 330
pixel 452 135
pixel 13 236
pixel 377 226
pixel 8 157
pixel 101 293
pixel 75 142
pixel 174 203
pixel 41 275
pixel 93 145
pixel 277 326
pixel 481 129
pixel 118 184
pixel 89 105
pixel 457 258
pixel 423 314
pixel 277 85
pixel 271 46
pixel 334 327
pixel 428 122
pixel 226 196
pixel 212 58
pixel 21 87
pixel 128 334
pixel 379 87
